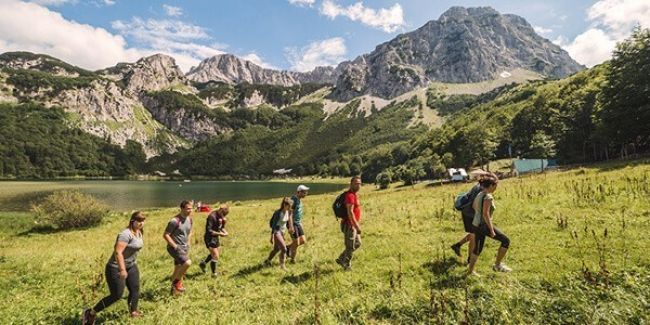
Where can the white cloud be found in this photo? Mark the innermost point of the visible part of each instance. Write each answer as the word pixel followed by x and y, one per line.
pixel 173 11
pixel 49 32
pixel 253 57
pixel 52 2
pixel 96 48
pixel 302 3
pixel 388 20
pixel 327 52
pixel 542 30
pixel 611 22
pixel 109 2
pixel 170 36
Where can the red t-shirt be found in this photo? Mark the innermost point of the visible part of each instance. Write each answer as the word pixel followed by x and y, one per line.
pixel 352 198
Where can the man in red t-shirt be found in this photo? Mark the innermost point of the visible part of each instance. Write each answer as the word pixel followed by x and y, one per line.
pixel 350 224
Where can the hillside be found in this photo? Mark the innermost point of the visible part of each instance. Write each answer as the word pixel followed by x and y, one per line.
pixel 593 270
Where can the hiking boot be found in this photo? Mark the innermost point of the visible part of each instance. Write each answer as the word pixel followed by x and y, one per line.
pixel 202 266
pixel 345 267
pixel 136 314
pixel 456 249
pixel 501 268
pixel 88 317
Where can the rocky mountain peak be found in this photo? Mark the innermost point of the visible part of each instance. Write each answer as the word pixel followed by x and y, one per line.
pixel 465 45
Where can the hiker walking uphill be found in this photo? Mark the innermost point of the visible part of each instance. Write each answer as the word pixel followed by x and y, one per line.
pixel 464 204
pixel 350 222
pixel 278 224
pixel 215 227
pixel 483 226
pixel 177 235
pixel 298 234
pixel 122 270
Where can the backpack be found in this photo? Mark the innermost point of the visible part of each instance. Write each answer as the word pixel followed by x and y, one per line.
pixel 339 208
pixel 462 201
pixel 465 199
pixel 273 219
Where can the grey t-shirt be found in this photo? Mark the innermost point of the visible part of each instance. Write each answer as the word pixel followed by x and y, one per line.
pixel 179 229
pixel 133 245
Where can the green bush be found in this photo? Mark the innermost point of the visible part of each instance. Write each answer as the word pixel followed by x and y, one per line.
pixel 384 179
pixel 70 209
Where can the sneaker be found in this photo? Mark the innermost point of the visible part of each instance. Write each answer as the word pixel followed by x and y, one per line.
pixel 501 268
pixel 135 314
pixel 214 275
pixel 267 263
pixel 88 317
pixel 456 249
pixel 202 266
pixel 292 261
pixel 473 275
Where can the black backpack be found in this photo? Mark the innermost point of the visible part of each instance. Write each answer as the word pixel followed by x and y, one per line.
pixel 340 210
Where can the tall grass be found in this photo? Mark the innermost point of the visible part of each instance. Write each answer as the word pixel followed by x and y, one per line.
pixel 579 253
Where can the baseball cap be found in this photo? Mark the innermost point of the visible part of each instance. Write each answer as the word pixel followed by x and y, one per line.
pixel 302 188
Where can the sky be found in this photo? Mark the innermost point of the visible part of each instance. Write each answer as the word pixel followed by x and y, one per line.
pixel 293 35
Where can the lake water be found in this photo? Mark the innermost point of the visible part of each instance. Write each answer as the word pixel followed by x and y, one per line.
pixel 130 195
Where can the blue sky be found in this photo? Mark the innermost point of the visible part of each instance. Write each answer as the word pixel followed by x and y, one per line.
pixel 284 34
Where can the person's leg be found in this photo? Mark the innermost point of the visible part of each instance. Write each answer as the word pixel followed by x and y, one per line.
pixel 472 243
pixel 280 246
pixel 350 240
pixel 293 248
pixel 505 243
pixel 214 255
pixel 478 248
pixel 133 284
pixel 115 287
pixel 276 247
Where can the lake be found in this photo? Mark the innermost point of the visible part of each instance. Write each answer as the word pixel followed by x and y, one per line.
pixel 131 195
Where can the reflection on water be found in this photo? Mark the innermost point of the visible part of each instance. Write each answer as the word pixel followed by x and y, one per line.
pixel 129 195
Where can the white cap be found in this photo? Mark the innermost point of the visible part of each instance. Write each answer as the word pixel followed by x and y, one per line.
pixel 302 188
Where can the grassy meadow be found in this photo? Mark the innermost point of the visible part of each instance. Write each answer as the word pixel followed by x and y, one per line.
pixel 579 250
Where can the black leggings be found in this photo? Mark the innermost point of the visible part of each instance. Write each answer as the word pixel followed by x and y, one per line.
pixel 116 287
pixel 482 231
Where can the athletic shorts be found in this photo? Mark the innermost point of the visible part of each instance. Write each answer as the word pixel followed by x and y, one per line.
pixel 211 242
pixel 467 223
pixel 297 231
pixel 181 255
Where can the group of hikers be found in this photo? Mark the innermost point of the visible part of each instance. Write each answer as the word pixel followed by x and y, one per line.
pixel 121 271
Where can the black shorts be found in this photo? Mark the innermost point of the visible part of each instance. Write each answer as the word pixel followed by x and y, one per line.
pixel 181 256
pixel 211 242
pixel 467 223
pixel 297 231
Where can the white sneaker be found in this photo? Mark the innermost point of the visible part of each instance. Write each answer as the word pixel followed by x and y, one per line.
pixel 501 268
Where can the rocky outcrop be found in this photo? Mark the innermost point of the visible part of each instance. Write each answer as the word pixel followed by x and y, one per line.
pixel 233 70
pixel 155 72
pixel 464 45
pixel 192 125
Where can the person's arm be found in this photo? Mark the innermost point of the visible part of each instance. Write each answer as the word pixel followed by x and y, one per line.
pixel 291 230
pixel 167 235
pixel 353 221
pixel 487 217
pixel 119 257
pixel 210 225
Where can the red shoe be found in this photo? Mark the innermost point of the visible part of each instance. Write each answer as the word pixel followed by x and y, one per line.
pixel 88 317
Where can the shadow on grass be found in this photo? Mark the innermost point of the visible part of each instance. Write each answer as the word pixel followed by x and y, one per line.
pixel 305 276
pixel 42 230
pixel 249 270
pixel 444 278
pixel 441 266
